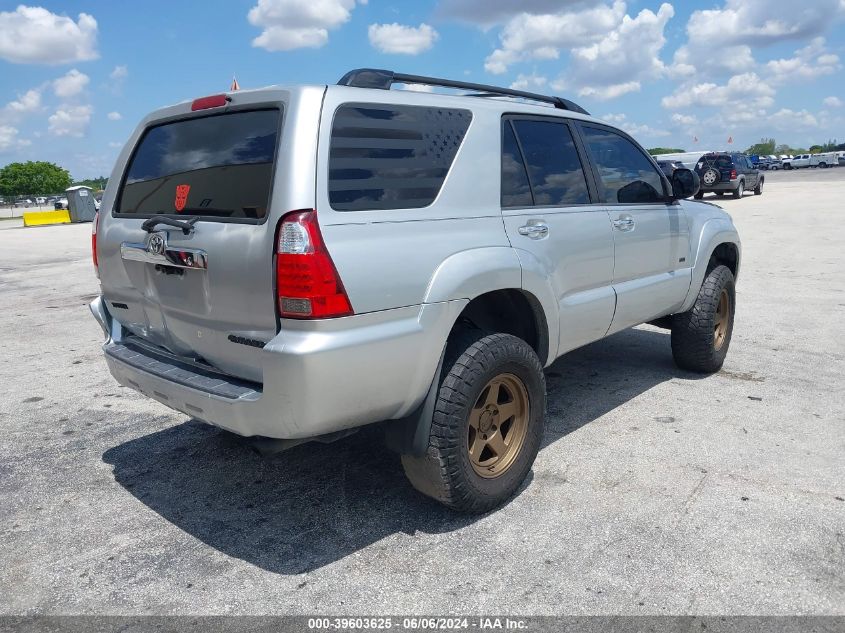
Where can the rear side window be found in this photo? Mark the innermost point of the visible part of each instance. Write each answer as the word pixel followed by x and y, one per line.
pixel 216 167
pixel 516 192
pixel 625 173
pixel 392 156
pixel 554 168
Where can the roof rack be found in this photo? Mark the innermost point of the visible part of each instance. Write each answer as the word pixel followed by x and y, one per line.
pixel 384 79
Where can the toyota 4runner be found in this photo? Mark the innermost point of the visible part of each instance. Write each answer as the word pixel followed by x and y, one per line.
pixel 293 263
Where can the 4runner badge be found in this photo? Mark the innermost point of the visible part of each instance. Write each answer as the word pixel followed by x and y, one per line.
pixel 181 196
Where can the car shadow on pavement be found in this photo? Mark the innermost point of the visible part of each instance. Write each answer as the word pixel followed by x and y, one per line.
pixel 318 503
pixel 588 382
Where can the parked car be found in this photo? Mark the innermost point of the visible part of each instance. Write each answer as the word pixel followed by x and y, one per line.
pixel 669 166
pixel 774 163
pixel 40 200
pixel 361 275
pixel 59 204
pixel 728 172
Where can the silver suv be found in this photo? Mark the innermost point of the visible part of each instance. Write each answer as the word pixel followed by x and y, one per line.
pixel 293 263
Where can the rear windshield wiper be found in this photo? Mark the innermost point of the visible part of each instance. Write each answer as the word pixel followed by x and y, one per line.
pixel 186 225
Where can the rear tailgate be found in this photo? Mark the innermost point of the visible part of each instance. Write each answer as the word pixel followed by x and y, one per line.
pixel 206 294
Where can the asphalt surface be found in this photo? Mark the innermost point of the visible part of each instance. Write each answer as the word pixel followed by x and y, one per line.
pixel 656 491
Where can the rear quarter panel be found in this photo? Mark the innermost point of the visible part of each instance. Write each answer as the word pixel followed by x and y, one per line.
pixel 393 258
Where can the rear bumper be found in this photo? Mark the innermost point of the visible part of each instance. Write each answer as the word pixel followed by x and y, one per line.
pixel 725 185
pixel 318 376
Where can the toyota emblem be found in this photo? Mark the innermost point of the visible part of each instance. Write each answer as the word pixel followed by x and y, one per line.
pixel 156 245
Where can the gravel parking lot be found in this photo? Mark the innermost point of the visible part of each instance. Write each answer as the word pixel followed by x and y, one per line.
pixel 656 491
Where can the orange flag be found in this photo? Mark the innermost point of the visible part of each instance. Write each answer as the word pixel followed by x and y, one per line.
pixel 235 85
pixel 730 140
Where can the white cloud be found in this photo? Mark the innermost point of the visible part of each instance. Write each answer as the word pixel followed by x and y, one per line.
pixel 70 120
pixel 401 39
pixel 627 55
pixel 833 102
pixel 486 13
pixel 634 129
pixel 114 116
pixel 70 84
pixel 731 60
pixel 790 120
pixel 742 92
pixel 761 22
pixel 9 139
pixel 28 102
pixel 115 144
pixel 529 82
pixel 809 62
pixel 119 72
pixel 416 87
pixel 543 36
pixel 290 24
pixel 684 119
pixel 603 93
pixel 33 35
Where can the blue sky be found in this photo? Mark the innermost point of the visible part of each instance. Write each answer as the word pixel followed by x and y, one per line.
pixel 79 75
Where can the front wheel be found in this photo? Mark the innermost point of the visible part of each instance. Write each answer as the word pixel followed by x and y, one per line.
pixel 487 423
pixel 701 335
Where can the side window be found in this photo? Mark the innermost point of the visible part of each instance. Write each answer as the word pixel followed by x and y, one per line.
pixel 554 169
pixel 391 156
pixel 626 174
pixel 516 192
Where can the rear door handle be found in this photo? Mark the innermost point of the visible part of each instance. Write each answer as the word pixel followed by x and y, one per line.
pixel 624 223
pixel 534 229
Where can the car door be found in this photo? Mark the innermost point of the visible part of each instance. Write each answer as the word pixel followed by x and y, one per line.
pixel 555 224
pixel 752 174
pixel 651 273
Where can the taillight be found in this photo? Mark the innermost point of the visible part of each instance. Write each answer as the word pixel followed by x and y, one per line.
pixel 733 174
pixel 307 283
pixel 94 224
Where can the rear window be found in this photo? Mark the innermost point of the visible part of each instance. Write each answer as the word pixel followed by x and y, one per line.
pixel 392 156
pixel 218 166
pixel 718 160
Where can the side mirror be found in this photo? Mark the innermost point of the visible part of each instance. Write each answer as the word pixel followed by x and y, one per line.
pixel 685 183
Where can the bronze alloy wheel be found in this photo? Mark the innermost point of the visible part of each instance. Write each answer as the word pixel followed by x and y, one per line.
pixel 497 425
pixel 723 316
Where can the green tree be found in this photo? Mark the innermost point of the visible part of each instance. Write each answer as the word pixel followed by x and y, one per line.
pixel 33 177
pixel 95 183
pixel 764 147
pixel 656 151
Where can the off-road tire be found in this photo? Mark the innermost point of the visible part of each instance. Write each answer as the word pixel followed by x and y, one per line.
pixel 693 341
pixel 445 472
pixel 740 189
pixel 758 190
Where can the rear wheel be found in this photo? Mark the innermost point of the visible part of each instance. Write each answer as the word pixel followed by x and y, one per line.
pixel 487 424
pixel 701 336
pixel 740 189
pixel 758 190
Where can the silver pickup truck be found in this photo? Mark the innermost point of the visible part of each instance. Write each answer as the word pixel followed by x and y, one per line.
pixel 293 263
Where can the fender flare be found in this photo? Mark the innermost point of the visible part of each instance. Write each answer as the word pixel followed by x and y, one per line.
pixel 714 232
pixel 468 274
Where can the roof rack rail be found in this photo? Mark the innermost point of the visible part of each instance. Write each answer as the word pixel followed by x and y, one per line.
pixel 384 79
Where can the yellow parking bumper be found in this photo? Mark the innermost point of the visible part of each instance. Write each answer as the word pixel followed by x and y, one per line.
pixel 39 218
